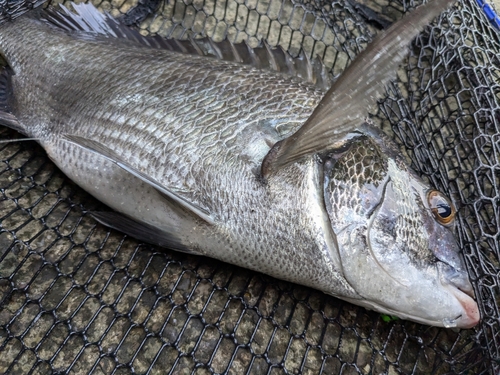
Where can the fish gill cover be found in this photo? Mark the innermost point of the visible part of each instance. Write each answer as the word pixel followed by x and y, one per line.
pixel 76 297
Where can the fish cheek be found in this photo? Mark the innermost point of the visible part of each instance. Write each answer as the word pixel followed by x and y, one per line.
pixel 398 239
pixel 387 245
pixel 442 243
pixel 353 191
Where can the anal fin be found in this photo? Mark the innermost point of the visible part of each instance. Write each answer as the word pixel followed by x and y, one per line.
pixel 141 231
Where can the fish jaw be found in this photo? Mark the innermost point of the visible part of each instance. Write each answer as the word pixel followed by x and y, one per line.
pixel 470 315
pixel 398 286
pixel 467 309
pixel 457 282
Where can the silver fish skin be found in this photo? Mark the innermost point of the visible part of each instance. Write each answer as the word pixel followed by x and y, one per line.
pixel 174 143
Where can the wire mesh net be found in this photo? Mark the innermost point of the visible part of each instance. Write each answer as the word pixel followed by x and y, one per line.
pixel 76 297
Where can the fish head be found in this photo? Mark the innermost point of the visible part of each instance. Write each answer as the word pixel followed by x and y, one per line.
pixel 395 237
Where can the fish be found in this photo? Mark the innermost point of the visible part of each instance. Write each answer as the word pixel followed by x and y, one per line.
pixel 216 157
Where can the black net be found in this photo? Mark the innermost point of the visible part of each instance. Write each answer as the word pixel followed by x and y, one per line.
pixel 76 297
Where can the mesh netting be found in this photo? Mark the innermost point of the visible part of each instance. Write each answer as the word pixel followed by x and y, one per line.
pixel 76 297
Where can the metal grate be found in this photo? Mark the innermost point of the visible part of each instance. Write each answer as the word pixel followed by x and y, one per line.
pixel 78 298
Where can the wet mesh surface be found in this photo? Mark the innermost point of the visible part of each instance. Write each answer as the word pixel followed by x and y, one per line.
pixel 78 298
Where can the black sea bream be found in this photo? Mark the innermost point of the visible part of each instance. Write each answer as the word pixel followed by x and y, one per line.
pixel 245 165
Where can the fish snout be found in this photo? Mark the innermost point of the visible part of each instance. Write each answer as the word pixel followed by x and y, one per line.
pixel 458 283
pixel 459 279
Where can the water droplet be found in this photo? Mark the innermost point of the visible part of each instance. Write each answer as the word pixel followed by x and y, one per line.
pixel 449 323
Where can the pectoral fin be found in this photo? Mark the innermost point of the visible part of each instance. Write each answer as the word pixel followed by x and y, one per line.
pixel 346 104
pixel 111 155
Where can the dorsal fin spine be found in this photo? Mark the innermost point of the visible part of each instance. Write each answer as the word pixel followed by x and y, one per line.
pixel 89 20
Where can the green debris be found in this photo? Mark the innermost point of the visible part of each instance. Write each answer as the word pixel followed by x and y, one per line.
pixel 388 318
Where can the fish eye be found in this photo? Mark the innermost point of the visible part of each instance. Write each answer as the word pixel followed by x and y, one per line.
pixel 441 207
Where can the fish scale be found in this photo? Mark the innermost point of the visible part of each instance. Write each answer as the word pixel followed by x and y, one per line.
pixel 200 158
pixel 184 116
pixel 141 138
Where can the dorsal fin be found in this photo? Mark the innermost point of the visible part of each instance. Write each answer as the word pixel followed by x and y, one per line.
pixel 88 19
pixel 346 104
pixel 10 10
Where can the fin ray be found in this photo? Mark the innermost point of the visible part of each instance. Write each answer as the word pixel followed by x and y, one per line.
pixel 345 106
pixel 94 24
pixel 141 231
pixel 112 156
pixel 7 118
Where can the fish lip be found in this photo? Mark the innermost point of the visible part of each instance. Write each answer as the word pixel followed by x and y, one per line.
pixel 465 288
pixel 471 315
pixel 458 284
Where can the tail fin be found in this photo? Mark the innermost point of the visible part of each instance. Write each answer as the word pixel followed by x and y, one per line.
pixel 10 9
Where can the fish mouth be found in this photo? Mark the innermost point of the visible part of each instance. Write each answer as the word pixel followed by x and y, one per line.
pixel 470 316
pixel 458 284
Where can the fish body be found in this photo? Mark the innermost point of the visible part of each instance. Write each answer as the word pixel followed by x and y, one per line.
pixel 190 124
pixel 175 144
